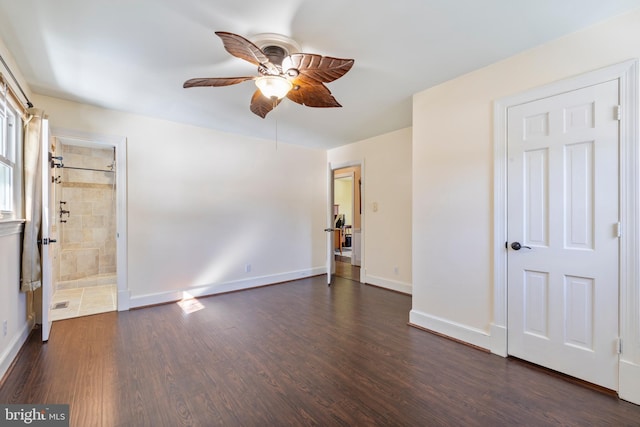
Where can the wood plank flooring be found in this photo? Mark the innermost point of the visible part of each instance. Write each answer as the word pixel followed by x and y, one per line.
pixel 298 353
pixel 345 270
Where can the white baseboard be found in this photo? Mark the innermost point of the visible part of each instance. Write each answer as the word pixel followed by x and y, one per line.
pixel 629 386
pixel 219 288
pixel 473 336
pixel 394 285
pixel 6 358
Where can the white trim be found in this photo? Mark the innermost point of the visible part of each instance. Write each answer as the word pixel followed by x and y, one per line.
pixel 627 74
pixel 330 261
pixel 476 337
pixel 7 357
pixel 394 285
pixel 219 288
pixel 629 380
pixel 14 147
pixel 69 136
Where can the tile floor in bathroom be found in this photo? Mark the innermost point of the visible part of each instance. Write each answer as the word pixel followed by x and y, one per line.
pixel 83 301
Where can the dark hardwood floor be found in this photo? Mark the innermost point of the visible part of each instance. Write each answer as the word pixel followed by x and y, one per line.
pixel 345 270
pixel 298 353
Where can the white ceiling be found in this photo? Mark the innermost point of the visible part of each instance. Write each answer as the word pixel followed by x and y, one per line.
pixel 134 55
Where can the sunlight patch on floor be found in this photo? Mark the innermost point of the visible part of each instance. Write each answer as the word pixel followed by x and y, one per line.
pixel 189 304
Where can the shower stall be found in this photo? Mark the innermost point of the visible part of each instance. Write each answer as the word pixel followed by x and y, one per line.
pixel 85 219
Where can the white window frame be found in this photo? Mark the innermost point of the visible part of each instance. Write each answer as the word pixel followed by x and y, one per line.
pixel 11 153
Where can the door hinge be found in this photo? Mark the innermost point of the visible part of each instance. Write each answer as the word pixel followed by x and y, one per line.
pixel 617 112
pixel 617 229
pixel 619 346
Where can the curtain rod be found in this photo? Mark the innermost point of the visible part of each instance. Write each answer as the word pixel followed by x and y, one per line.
pixel 6 66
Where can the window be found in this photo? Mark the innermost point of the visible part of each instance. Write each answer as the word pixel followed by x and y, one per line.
pixel 10 159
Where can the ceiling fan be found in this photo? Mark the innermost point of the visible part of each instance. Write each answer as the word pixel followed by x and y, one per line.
pixel 283 71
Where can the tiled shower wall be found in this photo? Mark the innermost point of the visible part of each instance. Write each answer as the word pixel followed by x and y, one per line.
pixel 88 245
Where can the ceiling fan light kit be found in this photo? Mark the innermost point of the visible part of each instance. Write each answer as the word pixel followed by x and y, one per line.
pixel 274 86
pixel 283 72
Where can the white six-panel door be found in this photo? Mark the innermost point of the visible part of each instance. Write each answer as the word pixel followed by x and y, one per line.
pixel 562 208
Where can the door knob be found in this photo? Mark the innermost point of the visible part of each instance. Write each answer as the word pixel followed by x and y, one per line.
pixel 516 246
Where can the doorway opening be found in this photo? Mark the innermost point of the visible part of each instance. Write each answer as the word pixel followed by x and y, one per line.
pixel 90 227
pixel 347 221
pixel 84 220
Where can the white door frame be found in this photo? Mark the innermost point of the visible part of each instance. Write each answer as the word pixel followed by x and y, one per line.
pixel 627 73
pixel 340 165
pixel 331 265
pixel 120 144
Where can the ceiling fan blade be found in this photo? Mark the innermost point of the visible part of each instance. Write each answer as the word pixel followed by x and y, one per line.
pixel 242 48
pixel 261 105
pixel 321 68
pixel 215 81
pixel 311 93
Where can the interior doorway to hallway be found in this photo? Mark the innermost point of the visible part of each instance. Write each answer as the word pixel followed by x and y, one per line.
pixel 347 217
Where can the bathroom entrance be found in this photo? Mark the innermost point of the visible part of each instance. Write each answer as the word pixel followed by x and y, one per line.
pixel 83 217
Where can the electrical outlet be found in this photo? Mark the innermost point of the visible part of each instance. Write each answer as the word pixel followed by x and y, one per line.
pixel 247 268
pixel 395 270
pixel 4 328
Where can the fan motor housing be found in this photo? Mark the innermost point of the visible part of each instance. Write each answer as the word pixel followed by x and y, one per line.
pixel 276 44
pixel 275 54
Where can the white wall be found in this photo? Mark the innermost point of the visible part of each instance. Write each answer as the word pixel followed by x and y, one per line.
pixel 453 178
pixel 8 57
pixel 202 204
pixel 13 303
pixel 386 181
